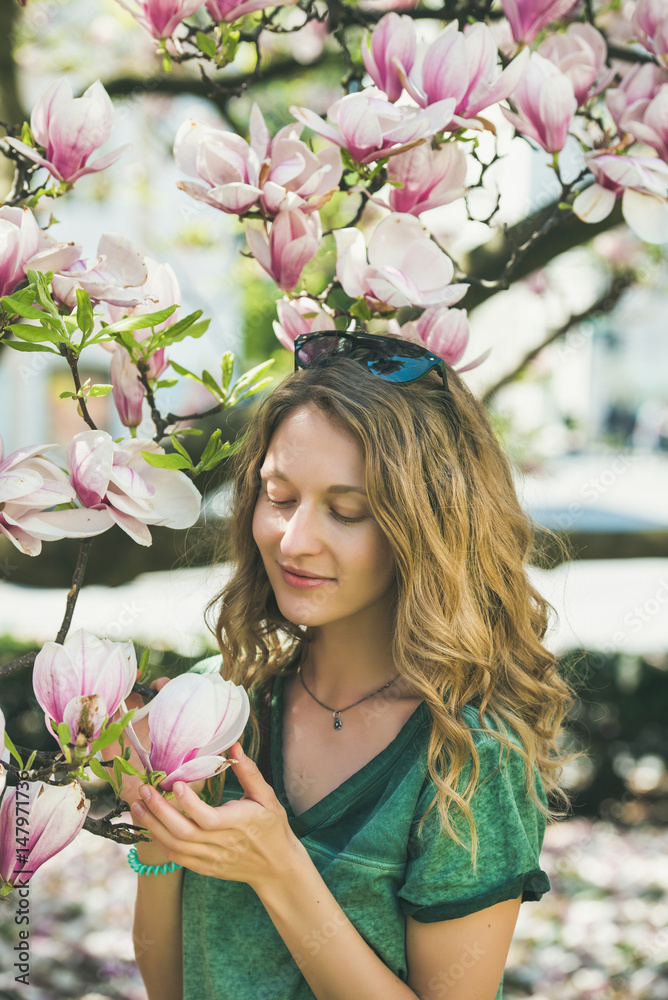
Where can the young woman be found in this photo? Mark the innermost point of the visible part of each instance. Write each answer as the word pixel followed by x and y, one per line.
pixel 377 837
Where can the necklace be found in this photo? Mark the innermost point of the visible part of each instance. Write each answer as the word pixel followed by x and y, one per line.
pixel 337 713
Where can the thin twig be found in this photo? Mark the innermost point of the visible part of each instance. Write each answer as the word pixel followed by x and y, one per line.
pixel 71 358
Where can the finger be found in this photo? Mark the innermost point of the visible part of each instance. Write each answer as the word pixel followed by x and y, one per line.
pixel 206 816
pixel 161 819
pixel 250 778
pixel 160 682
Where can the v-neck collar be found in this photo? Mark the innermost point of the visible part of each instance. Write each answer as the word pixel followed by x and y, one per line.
pixel 329 807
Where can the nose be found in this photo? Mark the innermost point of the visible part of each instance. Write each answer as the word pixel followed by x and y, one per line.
pixel 302 535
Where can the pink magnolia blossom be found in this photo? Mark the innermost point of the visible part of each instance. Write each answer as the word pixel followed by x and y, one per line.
pixel 223 160
pixel 292 242
pixel 462 65
pixel 546 104
pixel 30 484
pixel 580 55
pixel 443 331
pixel 402 266
pixel 642 184
pixel 528 17
pixel 82 682
pixel 628 102
pixel 372 128
pixel 161 18
pixel 232 10
pixel 283 173
pixel 393 44
pixel 161 290
pixel 652 126
pixel 54 815
pixel 297 316
pixel 191 721
pixel 118 481
pixel 127 389
pixel 430 178
pixel 650 21
pixel 115 276
pixel 19 241
pixel 70 129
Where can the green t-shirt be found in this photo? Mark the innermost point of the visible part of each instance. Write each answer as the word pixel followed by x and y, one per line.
pixel 362 839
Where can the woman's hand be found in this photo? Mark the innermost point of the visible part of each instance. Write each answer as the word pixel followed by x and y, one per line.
pixel 248 840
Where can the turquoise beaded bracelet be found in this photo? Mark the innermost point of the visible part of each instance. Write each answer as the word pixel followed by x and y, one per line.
pixel 136 865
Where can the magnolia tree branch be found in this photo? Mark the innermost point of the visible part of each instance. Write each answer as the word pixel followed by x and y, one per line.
pixel 604 304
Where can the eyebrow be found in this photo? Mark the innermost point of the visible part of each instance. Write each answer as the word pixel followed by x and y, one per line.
pixel 339 489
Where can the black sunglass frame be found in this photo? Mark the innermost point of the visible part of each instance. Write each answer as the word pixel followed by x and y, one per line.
pixel 371 341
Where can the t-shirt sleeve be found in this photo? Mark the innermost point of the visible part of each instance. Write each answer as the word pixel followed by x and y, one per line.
pixel 440 883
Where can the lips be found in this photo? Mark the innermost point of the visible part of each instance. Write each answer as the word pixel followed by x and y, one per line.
pixel 302 573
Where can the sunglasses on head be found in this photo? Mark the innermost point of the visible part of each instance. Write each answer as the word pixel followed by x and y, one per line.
pixel 387 357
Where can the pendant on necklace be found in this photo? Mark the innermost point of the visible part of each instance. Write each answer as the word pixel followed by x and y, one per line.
pixel 337 721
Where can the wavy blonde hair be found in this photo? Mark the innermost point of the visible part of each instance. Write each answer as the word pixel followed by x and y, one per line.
pixel 469 624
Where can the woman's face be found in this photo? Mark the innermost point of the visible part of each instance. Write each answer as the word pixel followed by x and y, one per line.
pixel 326 558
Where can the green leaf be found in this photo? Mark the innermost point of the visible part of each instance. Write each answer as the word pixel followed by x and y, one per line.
pixel 111 733
pixel 186 327
pixel 31 760
pixel 64 735
pixel 156 777
pixel 20 345
pixel 99 771
pixel 211 445
pixel 143 322
pixel 166 461
pixel 42 291
pixel 361 309
pixel 209 381
pixel 258 387
pixel 166 383
pixel 85 318
pixel 143 665
pixel 36 334
pixel 67 395
pixel 227 366
pixel 26 134
pixel 190 431
pixel 180 370
pixel 206 44
pixel 21 303
pixel 127 768
pixel 182 451
pixel 13 751
pixel 101 389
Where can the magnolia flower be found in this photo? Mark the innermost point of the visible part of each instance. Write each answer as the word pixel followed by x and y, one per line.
pixel 114 276
pixel 191 721
pixel 650 21
pixel 82 682
pixel 371 128
pixel 292 242
pixel 283 173
pixel 628 102
pixel 642 184
pixel 546 103
pixel 402 266
pixel 30 484
pixel 223 160
pixel 161 289
pixel 54 815
pixel 161 18
pixel 461 65
pixel 19 240
pixel 116 480
pixel 580 55
pixel 647 121
pixel 297 316
pixel 528 17
pixel 70 129
pixel 392 46
pixel 232 10
pixel 429 178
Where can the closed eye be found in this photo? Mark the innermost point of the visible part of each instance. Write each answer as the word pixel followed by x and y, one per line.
pixel 340 517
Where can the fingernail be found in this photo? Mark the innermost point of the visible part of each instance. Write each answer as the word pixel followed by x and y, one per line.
pixel 178 788
pixel 145 792
pixel 137 809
